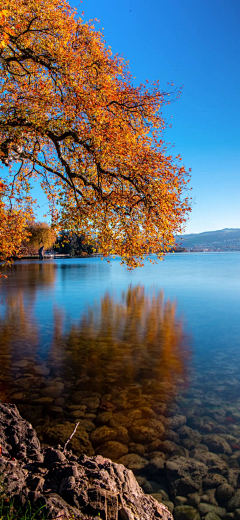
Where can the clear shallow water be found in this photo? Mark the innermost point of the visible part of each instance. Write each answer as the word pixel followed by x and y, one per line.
pixel 80 338
pixel 206 288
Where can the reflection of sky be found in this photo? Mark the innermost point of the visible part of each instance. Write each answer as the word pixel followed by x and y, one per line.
pixel 206 287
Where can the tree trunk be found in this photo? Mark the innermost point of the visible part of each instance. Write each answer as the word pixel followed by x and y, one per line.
pixel 40 252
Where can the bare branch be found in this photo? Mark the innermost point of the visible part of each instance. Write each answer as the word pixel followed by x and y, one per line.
pixel 71 436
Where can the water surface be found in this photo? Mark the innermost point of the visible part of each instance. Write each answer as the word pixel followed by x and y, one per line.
pixel 124 353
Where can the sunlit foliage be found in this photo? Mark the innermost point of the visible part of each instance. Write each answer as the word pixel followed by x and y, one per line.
pixel 13 222
pixel 40 234
pixel 71 117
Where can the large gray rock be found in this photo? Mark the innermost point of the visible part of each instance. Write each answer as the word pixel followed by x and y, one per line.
pixel 64 484
pixel 156 465
pixel 186 432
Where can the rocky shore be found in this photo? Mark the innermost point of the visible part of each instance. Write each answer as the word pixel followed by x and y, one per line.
pixel 67 485
pixel 179 435
pixel 186 464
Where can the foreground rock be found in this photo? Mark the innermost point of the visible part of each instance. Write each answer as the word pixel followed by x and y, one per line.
pixel 65 484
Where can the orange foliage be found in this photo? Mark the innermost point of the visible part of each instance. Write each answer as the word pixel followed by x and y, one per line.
pixel 13 221
pixel 71 117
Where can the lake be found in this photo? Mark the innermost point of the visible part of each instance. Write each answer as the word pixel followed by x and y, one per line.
pixel 147 361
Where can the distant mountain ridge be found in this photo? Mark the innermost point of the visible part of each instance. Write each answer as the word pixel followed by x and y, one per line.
pixel 221 240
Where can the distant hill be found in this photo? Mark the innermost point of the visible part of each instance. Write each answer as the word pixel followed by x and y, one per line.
pixel 220 240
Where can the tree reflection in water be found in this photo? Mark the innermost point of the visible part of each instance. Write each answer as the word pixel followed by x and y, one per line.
pixel 138 339
pixel 125 353
pixel 28 277
pixel 19 331
pixel 18 337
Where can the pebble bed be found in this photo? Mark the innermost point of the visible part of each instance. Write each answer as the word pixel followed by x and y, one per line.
pixel 182 442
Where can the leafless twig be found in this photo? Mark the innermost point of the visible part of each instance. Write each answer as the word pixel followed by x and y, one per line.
pixel 71 436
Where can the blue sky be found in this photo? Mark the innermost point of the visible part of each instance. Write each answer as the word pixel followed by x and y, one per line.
pixel 195 43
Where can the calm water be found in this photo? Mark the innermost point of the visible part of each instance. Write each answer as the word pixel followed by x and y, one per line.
pixel 206 288
pixel 82 340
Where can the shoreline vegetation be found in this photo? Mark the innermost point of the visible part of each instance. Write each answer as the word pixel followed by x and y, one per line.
pixel 57 256
pixel 44 245
pixel 71 245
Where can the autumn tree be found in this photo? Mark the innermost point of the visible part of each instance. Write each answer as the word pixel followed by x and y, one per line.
pixel 71 117
pixel 40 235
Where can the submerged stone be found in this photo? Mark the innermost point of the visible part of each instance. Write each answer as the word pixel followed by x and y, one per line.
pixel 112 450
pixel 142 434
pixel 136 448
pixel 134 462
pixel 213 480
pixel 212 516
pixel 169 505
pixel 181 501
pixel 185 475
pixel 184 512
pixel 209 508
pixel 102 435
pixel 173 423
pixel 145 431
pixel 157 496
pixel 214 463
pixel 234 502
pixel 224 493
pixel 217 444
pixel 55 433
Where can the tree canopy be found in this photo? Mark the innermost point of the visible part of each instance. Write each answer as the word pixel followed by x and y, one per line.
pixel 40 234
pixel 71 117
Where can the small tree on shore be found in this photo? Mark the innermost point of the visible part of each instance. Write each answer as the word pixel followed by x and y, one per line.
pixel 41 236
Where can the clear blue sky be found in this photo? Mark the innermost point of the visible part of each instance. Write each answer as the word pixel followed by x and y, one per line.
pixel 195 43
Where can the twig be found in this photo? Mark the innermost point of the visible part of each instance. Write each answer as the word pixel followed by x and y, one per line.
pixel 71 436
